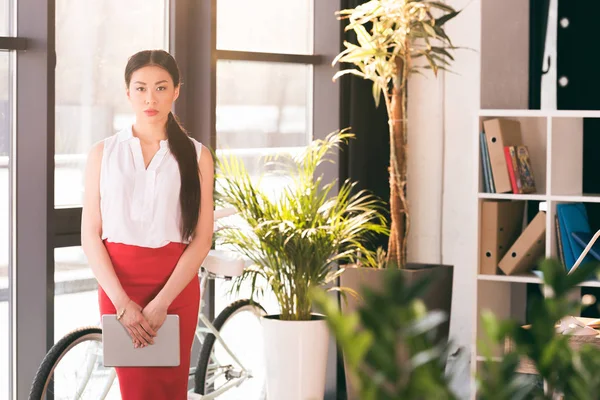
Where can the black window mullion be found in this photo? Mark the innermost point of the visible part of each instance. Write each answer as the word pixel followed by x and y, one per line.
pixel 234 55
pixel 13 43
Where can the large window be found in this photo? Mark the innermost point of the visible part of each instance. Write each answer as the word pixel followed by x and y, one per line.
pixel 90 91
pixel 263 104
pixel 263 91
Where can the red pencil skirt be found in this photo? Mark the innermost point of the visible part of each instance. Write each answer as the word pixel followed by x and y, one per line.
pixel 143 272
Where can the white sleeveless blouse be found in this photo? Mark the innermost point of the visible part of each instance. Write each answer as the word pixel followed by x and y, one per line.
pixel 139 206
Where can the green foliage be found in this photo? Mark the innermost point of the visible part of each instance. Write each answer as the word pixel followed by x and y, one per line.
pixel 566 371
pixel 400 31
pixel 389 343
pixel 294 239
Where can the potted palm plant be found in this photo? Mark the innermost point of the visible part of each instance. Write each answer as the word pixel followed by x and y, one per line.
pixel 393 38
pixel 294 239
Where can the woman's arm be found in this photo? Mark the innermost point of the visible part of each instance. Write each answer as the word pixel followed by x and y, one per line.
pixel 192 258
pixel 100 263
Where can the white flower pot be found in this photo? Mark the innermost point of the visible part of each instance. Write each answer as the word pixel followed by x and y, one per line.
pixel 296 358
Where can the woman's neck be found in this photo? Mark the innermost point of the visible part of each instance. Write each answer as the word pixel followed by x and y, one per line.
pixel 150 133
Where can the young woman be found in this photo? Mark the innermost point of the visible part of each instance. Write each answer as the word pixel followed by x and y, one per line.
pixel 148 222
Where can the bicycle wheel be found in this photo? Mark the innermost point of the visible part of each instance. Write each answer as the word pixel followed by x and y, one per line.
pixel 74 369
pixel 240 328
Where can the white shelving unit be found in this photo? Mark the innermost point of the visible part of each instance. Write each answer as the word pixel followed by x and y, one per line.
pixel 555 142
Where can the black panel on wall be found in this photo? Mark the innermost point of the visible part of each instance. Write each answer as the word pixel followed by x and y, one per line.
pixel 366 158
pixel 577 58
pixel 577 61
pixel 579 64
pixel 538 23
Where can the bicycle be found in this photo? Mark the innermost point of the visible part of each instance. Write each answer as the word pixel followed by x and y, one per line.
pixel 218 371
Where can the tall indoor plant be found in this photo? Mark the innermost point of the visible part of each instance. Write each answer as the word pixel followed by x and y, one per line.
pixel 293 239
pixel 391 34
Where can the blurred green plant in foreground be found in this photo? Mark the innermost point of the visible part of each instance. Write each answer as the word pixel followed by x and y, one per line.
pixel 390 347
pixel 389 343
pixel 568 373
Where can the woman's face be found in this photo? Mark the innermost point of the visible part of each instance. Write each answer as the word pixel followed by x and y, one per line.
pixel 151 92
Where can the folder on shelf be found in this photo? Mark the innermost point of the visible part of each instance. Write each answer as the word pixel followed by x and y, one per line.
pixel 572 217
pixel 528 248
pixel 501 225
pixel 499 133
pixel 559 245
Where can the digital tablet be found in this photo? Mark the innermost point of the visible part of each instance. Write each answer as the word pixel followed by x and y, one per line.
pixel 118 347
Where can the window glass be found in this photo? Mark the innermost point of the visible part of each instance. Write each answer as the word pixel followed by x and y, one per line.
pixel 5 13
pixel 76 306
pixel 6 101
pixel 262 109
pixel 271 26
pixel 90 91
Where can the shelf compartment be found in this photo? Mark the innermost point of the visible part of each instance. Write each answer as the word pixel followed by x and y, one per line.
pixel 503 299
pixel 534 135
pixel 504 54
pixel 566 156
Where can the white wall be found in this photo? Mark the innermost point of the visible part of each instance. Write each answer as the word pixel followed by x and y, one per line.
pixel 442 167
pixel 461 105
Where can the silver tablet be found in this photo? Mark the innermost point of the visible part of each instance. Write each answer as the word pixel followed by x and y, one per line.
pixel 119 351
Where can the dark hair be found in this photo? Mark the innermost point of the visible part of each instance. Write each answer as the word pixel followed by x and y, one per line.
pixel 180 144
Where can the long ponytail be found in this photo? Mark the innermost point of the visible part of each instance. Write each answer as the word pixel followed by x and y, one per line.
pixel 184 151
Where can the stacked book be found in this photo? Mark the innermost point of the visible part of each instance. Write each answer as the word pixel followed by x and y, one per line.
pixel 505 159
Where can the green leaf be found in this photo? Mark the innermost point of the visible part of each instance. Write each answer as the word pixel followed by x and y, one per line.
pixel 364 38
pixel 441 6
pixel 429 30
pixel 348 71
pixel 445 18
pixel 443 51
pixel 358 55
pixel 376 93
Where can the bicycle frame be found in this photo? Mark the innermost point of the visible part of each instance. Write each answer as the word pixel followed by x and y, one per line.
pixel 205 276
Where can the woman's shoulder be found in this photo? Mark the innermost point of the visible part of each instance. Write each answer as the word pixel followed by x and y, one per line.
pixel 104 146
pixel 201 150
pixel 110 142
pixel 197 144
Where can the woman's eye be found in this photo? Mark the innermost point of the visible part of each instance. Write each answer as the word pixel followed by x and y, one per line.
pixel 161 88
pixel 140 89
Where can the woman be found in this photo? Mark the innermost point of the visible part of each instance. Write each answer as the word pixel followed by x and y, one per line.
pixel 148 222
